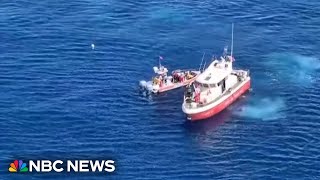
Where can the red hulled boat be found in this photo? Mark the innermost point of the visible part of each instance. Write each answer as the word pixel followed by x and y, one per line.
pixel 215 89
pixel 163 82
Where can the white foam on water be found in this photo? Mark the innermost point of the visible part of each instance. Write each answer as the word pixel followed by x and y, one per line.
pixel 143 83
pixel 263 109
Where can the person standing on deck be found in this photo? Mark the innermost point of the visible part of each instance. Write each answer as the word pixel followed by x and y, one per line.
pixel 197 94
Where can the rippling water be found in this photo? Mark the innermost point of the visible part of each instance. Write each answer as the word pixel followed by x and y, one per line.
pixel 61 99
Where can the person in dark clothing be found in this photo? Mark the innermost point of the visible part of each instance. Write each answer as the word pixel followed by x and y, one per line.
pixel 189 91
pixel 188 94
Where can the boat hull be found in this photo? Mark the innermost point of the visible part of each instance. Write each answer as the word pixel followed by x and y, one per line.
pixel 221 106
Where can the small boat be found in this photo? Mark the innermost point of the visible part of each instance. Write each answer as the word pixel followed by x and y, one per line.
pixel 162 82
pixel 218 86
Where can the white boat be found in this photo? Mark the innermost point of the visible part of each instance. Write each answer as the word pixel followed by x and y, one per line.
pixel 161 82
pixel 215 88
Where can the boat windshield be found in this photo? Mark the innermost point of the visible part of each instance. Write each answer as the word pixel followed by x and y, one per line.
pixel 203 87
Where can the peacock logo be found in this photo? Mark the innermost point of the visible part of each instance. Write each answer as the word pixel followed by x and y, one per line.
pixel 18 166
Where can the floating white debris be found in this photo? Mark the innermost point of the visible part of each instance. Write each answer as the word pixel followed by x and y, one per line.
pixel 92 46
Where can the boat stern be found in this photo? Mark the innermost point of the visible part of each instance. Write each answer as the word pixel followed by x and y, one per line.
pixel 190 110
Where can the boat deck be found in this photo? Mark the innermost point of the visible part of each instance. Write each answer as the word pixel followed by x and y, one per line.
pixel 226 93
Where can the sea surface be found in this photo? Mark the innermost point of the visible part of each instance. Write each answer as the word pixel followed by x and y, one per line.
pixel 62 99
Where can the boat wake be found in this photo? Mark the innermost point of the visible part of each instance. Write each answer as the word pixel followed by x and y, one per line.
pixel 145 88
pixel 263 109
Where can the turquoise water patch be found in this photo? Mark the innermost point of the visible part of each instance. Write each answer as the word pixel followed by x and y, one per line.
pixel 263 109
pixel 295 68
pixel 167 14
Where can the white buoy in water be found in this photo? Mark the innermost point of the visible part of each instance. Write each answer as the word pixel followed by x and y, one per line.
pixel 92 46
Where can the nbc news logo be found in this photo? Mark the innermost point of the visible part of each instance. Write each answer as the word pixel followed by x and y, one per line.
pixel 59 166
pixel 18 165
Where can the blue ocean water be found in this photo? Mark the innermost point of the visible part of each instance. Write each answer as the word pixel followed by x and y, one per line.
pixel 60 99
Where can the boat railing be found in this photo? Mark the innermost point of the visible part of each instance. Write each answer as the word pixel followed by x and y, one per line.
pixel 201 104
pixel 246 70
pixel 184 70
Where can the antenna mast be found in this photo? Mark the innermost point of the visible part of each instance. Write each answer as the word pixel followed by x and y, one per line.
pixel 202 60
pixel 232 41
pixel 204 66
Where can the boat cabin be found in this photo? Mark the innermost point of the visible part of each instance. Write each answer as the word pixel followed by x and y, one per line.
pixel 212 83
